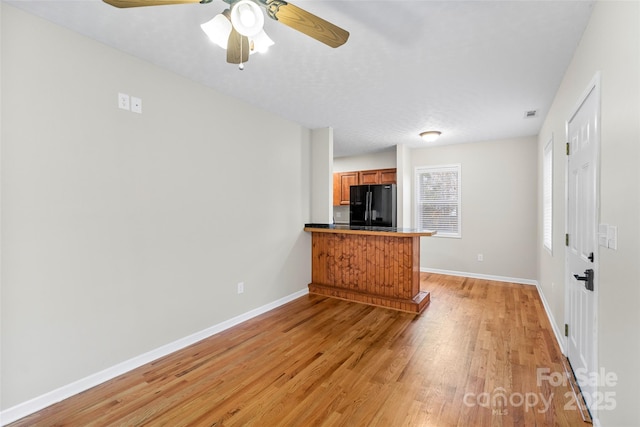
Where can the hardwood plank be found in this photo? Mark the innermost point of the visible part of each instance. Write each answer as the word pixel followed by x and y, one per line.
pixel 324 361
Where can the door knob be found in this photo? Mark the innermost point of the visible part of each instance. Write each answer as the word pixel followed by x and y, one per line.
pixel 587 279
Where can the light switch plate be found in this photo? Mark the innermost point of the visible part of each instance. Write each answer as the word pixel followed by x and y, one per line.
pixel 612 237
pixel 602 235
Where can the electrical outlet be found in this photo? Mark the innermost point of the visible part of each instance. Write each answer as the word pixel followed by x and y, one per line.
pixel 480 257
pixel 241 287
pixel 123 101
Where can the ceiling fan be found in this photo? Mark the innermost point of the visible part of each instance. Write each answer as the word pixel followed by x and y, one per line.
pixel 239 28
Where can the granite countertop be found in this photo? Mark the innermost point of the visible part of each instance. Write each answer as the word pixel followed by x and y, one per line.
pixel 351 229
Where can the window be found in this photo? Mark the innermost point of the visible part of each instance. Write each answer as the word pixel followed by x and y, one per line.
pixel 547 196
pixel 438 199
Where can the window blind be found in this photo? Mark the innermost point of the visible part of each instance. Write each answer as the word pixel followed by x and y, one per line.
pixel 438 199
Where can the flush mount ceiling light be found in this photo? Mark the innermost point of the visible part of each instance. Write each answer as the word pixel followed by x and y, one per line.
pixel 430 135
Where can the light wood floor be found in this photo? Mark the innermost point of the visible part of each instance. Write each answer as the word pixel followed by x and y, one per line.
pixel 470 359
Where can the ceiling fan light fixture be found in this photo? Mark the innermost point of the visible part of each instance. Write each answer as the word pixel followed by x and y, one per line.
pixel 261 42
pixel 218 30
pixel 247 18
pixel 430 135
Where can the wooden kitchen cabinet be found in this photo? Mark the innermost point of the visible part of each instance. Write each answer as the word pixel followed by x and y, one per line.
pixel 388 176
pixel 369 177
pixel 341 186
pixel 377 176
pixel 342 181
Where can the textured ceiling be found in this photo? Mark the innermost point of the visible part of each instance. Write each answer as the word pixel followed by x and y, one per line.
pixel 469 69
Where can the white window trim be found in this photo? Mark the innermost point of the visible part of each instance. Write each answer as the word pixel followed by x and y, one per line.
pixel 547 196
pixel 421 169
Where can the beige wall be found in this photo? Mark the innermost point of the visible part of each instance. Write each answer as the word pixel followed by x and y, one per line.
pixel 499 184
pixel 124 232
pixel 611 46
pixel 404 177
pixel 382 160
pixel 321 175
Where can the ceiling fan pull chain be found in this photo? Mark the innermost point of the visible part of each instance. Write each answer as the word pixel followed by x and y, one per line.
pixel 241 65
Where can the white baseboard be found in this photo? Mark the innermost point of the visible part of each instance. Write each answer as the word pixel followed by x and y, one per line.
pixel 481 276
pixel 557 330
pixel 34 405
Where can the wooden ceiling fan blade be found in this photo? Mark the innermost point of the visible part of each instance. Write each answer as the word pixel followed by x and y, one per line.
pixel 140 3
pixel 237 48
pixel 306 22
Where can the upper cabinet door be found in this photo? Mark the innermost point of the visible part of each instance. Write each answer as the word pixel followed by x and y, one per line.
pixel 388 176
pixel 370 177
pixel 342 183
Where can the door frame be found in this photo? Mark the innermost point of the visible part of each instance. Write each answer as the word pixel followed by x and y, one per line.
pixel 595 87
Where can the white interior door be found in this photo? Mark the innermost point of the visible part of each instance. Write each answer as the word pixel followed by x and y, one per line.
pixel 581 252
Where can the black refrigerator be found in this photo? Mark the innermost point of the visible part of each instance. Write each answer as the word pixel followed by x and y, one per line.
pixel 373 205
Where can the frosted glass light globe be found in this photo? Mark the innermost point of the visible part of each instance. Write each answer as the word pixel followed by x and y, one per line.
pixel 247 18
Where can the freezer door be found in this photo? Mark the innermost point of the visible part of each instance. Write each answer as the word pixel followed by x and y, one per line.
pixel 358 202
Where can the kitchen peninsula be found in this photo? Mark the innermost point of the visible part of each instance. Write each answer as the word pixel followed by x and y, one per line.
pixel 371 265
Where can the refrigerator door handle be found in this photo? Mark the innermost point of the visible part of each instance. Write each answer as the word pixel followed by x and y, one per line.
pixel 366 207
pixel 370 193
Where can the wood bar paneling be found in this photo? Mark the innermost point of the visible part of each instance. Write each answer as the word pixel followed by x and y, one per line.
pixel 381 270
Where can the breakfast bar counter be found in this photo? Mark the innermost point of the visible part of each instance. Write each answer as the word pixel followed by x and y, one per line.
pixel 371 265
